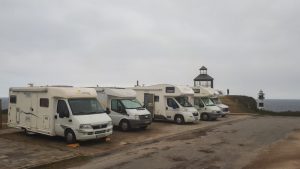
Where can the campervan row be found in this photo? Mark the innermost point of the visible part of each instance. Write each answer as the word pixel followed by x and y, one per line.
pixel 73 113
pixel 168 102
pixel 125 110
pixel 203 103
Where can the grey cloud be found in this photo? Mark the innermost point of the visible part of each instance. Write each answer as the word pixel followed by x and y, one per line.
pixel 246 45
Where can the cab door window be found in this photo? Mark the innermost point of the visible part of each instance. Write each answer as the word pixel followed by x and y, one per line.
pixel 171 103
pixel 198 102
pixel 62 109
pixel 117 106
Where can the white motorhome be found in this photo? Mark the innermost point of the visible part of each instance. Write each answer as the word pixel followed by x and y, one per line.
pixel 168 102
pixel 73 113
pixel 216 99
pixel 125 110
pixel 203 103
pixel 223 107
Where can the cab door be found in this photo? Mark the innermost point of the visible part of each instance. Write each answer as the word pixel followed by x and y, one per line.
pixel 199 104
pixel 149 103
pixel 62 117
pixel 171 108
pixel 118 111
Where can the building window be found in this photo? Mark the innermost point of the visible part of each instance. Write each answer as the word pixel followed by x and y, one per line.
pixel 13 99
pixel 44 102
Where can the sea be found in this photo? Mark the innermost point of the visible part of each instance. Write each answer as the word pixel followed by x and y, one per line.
pixel 280 105
pixel 276 105
pixel 4 101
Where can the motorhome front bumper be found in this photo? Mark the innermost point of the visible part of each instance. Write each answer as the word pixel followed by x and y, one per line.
pixel 94 134
pixel 139 123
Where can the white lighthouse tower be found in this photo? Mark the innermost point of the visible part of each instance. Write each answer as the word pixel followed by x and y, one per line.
pixel 261 98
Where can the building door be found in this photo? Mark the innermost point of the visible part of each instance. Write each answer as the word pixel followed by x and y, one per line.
pixel 149 103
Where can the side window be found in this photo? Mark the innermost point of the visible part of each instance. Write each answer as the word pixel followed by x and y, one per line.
pixel 172 103
pixel 156 98
pixel 62 109
pixel 120 108
pixel 114 106
pixel 44 102
pixel 13 99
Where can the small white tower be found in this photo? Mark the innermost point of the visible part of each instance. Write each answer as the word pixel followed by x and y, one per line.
pixel 261 98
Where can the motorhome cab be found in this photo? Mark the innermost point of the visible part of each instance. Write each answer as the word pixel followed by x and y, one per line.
pixel 168 102
pixel 203 103
pixel 73 113
pixel 125 110
pixel 223 107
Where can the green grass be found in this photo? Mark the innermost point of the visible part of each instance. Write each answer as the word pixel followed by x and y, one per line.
pixel 287 113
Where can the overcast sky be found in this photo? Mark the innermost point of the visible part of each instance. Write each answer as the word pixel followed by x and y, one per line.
pixel 246 45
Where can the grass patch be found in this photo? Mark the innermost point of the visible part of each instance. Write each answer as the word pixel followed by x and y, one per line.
pixel 245 104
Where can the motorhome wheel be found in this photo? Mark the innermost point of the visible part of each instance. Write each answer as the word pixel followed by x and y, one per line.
pixel 179 119
pixel 124 125
pixel 70 137
pixel 204 117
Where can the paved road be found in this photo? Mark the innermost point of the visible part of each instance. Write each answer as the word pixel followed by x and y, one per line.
pixel 228 146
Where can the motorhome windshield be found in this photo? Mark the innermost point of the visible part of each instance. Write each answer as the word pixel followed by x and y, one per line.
pixel 216 100
pixel 208 102
pixel 85 106
pixel 131 103
pixel 183 101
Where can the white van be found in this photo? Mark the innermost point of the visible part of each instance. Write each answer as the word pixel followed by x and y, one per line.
pixel 223 107
pixel 203 103
pixel 168 102
pixel 73 113
pixel 125 110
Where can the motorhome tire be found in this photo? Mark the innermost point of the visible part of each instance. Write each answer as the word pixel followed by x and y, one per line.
pixel 70 136
pixel 124 125
pixel 179 119
pixel 204 117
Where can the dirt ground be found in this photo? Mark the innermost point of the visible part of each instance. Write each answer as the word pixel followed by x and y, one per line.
pixel 284 154
pixel 260 142
pixel 39 149
pixel 242 144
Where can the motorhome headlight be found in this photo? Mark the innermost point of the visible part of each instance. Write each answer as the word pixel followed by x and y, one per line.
pixel 85 127
pixel 109 123
pixel 136 117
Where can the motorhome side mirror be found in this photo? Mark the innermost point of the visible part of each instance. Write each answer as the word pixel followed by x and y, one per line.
pixel 107 111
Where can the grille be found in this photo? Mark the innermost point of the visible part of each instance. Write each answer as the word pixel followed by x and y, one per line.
pixel 145 117
pixel 101 126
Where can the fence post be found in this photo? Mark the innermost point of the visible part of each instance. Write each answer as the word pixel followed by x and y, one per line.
pixel 0 114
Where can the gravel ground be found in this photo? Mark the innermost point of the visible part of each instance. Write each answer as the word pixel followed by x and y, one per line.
pixel 235 145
